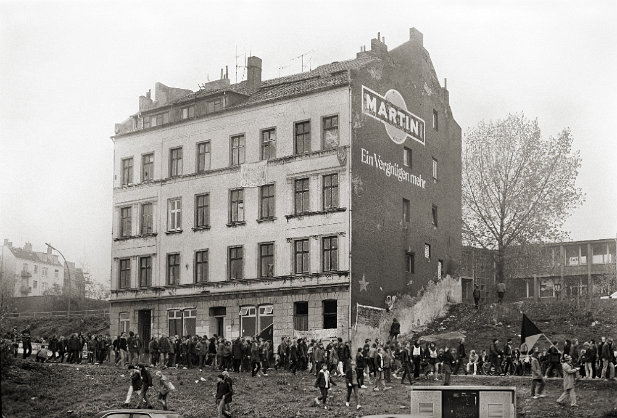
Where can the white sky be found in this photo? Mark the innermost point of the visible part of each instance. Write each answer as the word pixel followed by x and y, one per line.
pixel 69 70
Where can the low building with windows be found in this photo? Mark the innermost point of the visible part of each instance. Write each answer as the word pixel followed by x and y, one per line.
pixel 30 273
pixel 280 205
pixel 548 271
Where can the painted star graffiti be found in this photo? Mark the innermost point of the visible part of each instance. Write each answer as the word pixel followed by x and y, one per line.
pixel 363 284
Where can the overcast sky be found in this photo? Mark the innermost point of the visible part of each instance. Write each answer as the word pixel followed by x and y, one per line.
pixel 69 70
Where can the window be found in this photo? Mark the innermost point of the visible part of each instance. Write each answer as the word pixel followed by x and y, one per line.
pixel 268 144
pixel 203 156
pixel 329 314
pixel 56 273
pixel 175 322
pixel 174 214
pixel 434 169
pixel 407 157
pixel 147 167
pixel 236 206
pixel 329 256
pixel 159 120
pixel 125 221
pixel 237 149
pixel 330 191
pixel 248 325
pixel 175 162
pixel 572 256
pixel 266 260
pixel 214 105
pixel 146 218
pixel 302 138
pixel 35 284
pixel 44 271
pixel 301 256
pixel 583 256
pixel 124 281
pixel 36 268
pixel 600 254
pixel 410 262
pixel 434 215
pixel 145 271
pixel 301 196
pixel 190 321
pixel 235 263
pixel 406 211
pixel 127 171
pixel 435 120
pixel 266 201
pixel 439 268
pixel 427 251
pixel 301 316
pixel 330 135
pixel 173 269
pixel 188 112
pixel 202 210
pixel 265 317
pixel 201 266
pixel 124 322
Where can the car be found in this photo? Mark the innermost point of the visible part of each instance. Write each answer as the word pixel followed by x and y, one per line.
pixel 611 296
pixel 138 413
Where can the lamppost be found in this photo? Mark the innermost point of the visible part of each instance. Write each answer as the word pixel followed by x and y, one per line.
pixel 68 272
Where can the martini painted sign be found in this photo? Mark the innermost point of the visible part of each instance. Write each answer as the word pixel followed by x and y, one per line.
pixel 392 111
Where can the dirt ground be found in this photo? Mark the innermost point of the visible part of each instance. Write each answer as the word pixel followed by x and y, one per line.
pixel 31 389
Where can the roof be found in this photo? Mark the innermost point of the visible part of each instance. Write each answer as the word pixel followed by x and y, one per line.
pixel 33 256
pixel 324 76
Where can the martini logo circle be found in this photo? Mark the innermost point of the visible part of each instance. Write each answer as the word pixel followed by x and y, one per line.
pixel 392 111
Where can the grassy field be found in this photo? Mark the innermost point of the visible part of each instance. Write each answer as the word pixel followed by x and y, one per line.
pixel 31 389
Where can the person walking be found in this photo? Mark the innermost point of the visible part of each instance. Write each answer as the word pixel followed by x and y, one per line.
pixel 554 358
pixel 222 390
pixel 395 330
pixel 501 291
pixel 26 342
pixel 608 360
pixel 495 356
pixel 476 295
pixel 324 382
pixel 164 387
pixel 146 383
pixel 379 373
pixel 568 382
pixel 406 363
pixel 351 377
pixel 536 376
pixel 135 384
pixel 255 358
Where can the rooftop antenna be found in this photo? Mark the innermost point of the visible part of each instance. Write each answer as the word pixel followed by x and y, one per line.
pixel 301 56
pixel 240 66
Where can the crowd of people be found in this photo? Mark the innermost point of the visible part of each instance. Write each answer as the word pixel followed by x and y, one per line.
pixel 376 363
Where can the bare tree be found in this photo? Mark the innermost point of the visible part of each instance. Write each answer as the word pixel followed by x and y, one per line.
pixel 518 188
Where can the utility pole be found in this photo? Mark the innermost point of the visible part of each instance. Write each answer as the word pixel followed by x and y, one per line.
pixel 68 272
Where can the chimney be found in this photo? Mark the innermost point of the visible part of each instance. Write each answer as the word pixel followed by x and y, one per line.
pixel 416 36
pixel 378 46
pixel 28 247
pixel 253 72
pixel 49 250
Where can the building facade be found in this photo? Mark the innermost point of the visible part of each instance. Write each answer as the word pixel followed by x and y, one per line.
pixel 549 271
pixel 30 273
pixel 277 205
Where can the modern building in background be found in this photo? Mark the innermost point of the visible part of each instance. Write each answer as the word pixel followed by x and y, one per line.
pixel 275 206
pixel 548 271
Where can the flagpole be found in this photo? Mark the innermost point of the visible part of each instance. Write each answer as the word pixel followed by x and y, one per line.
pixel 552 345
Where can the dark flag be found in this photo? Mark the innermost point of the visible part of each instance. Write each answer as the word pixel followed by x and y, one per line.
pixel 266 333
pixel 530 334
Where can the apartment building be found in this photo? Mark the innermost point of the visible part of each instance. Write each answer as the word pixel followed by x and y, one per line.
pixel 276 206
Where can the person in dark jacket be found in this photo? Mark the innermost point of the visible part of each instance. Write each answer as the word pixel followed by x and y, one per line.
pixel 293 357
pixel 494 356
pixel 448 362
pixel 255 358
pixel 236 350
pixel 476 295
pixel 554 358
pixel 360 365
pixel 352 381
pixel 135 384
pixel 164 350
pixel 222 391
pixel 146 383
pixel 461 355
pixel 395 330
pixel 608 360
pixel 324 382
pixel 26 342
pixel 406 363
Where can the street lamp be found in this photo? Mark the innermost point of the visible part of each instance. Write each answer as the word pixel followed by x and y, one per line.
pixel 68 271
